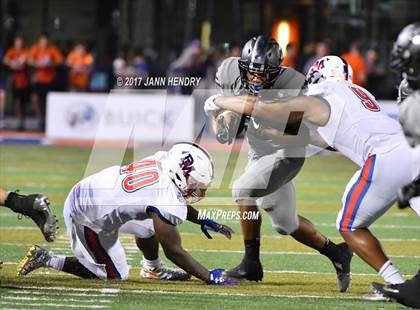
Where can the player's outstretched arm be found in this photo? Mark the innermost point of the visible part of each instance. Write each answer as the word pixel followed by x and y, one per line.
pixel 314 109
pixel 170 240
pixel 239 104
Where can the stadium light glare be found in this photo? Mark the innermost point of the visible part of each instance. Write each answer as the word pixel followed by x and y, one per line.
pixel 283 34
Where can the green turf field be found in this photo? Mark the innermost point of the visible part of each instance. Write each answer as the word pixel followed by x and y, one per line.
pixel 295 276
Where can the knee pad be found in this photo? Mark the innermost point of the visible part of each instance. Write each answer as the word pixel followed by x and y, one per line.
pixel 239 193
pixel 284 222
pixel 285 229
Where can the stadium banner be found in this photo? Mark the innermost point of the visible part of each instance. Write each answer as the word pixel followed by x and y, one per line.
pixel 120 116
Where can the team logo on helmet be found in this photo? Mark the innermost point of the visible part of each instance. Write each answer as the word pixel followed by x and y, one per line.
pixel 186 165
pixel 329 68
pixel 191 169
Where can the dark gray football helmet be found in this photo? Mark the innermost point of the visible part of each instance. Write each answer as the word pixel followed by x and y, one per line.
pixel 261 55
pixel 405 56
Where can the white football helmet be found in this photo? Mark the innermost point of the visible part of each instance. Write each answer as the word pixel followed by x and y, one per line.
pixel 191 168
pixel 329 68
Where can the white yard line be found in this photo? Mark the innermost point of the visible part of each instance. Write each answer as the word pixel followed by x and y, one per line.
pixel 14 303
pixel 129 238
pixel 324 224
pixel 158 292
pixel 61 299
pixel 265 270
pixel 241 294
pixel 27 292
pixel 105 291
pixel 281 252
pixel 386 226
pixel 134 250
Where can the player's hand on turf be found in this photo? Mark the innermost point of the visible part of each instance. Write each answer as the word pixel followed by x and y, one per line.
pixel 217 277
pixel 216 227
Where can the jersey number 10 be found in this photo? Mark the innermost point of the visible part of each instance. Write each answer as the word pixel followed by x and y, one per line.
pixel 139 174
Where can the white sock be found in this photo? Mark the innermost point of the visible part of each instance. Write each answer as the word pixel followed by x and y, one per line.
pixel 56 262
pixel 390 273
pixel 156 263
pixel 7 195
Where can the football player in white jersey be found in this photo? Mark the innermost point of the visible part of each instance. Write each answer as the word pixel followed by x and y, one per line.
pixel 348 118
pixel 405 58
pixel 149 195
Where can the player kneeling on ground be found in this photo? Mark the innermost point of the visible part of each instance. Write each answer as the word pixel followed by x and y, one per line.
pixel 155 191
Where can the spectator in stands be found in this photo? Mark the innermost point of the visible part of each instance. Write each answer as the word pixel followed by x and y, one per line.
pixel 120 70
pixel 16 59
pixel 235 51
pixel 307 52
pixel 2 93
pixel 291 54
pixel 80 63
pixel 44 57
pixel 376 74
pixel 355 58
pixel 139 66
pixel 191 63
pixel 322 49
pixel 207 85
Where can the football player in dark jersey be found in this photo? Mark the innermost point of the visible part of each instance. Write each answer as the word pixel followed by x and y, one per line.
pixel 267 181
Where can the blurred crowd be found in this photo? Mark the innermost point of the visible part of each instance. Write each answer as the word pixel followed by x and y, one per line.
pixel 369 70
pixel 34 71
pixel 30 72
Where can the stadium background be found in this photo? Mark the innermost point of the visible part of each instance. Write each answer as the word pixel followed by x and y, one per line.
pixel 188 38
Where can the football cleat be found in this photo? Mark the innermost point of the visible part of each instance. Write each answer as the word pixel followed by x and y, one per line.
pixel 404 293
pixel 163 272
pixel 375 296
pixel 36 257
pixel 37 207
pixel 342 266
pixel 248 269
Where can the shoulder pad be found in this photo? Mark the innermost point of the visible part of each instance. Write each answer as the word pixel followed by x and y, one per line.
pixel 289 79
pixel 228 76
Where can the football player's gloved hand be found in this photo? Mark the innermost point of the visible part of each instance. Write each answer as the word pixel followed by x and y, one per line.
pixel 213 226
pixel 210 108
pixel 227 126
pixel 218 278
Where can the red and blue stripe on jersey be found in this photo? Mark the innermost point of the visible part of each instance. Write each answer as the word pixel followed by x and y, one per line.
pixel 356 194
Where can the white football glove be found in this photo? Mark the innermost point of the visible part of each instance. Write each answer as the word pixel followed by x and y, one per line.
pixel 210 108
